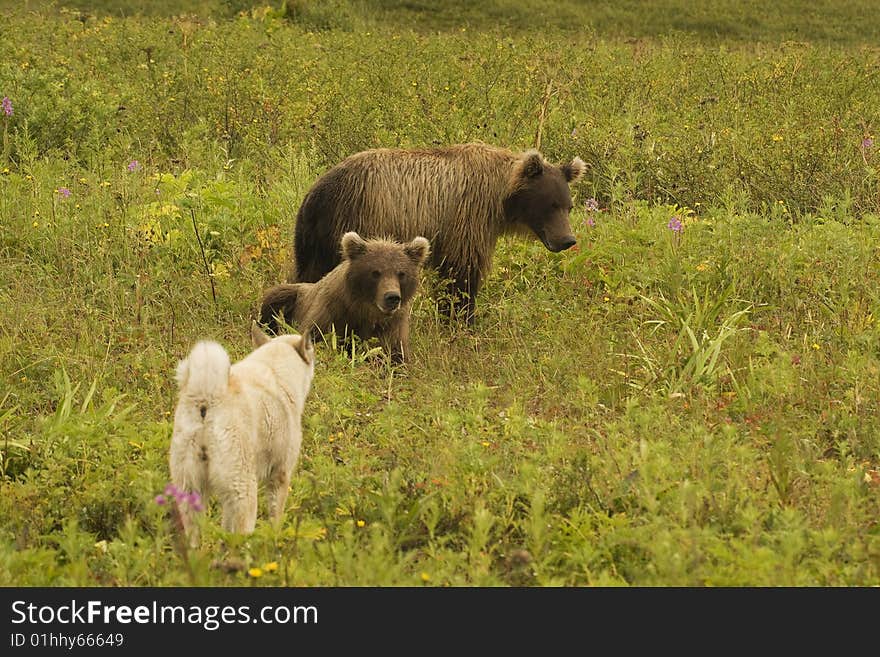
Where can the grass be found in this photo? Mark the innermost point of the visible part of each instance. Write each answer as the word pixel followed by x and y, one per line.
pixel 649 408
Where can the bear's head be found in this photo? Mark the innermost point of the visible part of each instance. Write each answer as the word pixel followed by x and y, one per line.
pixel 383 272
pixel 539 199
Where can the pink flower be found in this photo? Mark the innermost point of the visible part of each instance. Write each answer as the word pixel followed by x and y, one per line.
pixel 867 143
pixel 675 224
pixel 6 105
pixel 65 193
pixel 134 165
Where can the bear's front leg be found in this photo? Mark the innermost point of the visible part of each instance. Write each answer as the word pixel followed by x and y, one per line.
pixel 395 340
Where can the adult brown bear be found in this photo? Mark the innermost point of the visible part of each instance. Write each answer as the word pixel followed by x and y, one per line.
pixel 462 198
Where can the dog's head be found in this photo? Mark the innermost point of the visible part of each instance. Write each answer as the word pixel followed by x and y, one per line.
pixel 303 344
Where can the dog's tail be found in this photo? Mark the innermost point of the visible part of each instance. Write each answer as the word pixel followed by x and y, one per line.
pixel 204 374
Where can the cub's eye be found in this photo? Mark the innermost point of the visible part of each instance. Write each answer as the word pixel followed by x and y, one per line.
pixel 401 275
pixel 375 273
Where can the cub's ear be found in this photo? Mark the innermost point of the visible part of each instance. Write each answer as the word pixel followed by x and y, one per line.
pixel 257 336
pixel 306 348
pixel 418 250
pixel 573 170
pixel 532 165
pixel 353 245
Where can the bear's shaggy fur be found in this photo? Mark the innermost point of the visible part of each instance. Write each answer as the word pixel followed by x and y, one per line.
pixel 462 198
pixel 238 425
pixel 369 293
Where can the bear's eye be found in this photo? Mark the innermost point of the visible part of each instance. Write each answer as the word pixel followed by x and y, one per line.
pixel 401 275
pixel 555 205
pixel 375 273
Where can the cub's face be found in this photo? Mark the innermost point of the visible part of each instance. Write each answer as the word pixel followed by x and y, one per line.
pixel 383 272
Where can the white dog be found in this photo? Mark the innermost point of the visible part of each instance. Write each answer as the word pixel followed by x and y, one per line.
pixel 238 425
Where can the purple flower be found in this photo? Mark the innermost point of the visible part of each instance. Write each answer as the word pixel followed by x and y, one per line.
pixel 675 224
pixel 6 104
pixel 592 205
pixel 65 193
pixel 181 497
pixel 591 222
pixel 195 502
pixel 134 165
pixel 160 500
pixel 867 143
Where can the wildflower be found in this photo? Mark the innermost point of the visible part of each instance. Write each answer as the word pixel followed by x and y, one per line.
pixel 255 572
pixel 591 222
pixel 361 523
pixel 64 192
pixel 195 502
pixel 816 346
pixel 777 137
pixel 6 104
pixel 485 443
pixel 592 205
pixel 270 567
pixel 134 165
pixel 181 497
pixel 675 224
pixel 867 143
pixel 425 577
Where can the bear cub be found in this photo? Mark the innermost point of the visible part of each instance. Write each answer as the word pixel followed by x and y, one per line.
pixel 369 293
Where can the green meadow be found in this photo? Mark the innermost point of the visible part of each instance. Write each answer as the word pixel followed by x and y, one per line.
pixel 688 397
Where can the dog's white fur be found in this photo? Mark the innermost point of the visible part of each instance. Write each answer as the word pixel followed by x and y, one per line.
pixel 238 425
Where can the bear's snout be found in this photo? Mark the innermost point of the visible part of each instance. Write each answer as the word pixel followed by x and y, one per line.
pixel 391 301
pixel 563 244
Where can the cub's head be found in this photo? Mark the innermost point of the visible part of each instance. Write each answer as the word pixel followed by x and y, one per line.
pixel 383 272
pixel 539 199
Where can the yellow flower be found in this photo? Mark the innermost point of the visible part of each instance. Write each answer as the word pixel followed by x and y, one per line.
pixel 816 346
pixel 607 298
pixel 485 443
pixel 361 523
pixel 425 577
pixel 270 567
pixel 703 266
pixel 777 137
pixel 255 572
pixel 35 224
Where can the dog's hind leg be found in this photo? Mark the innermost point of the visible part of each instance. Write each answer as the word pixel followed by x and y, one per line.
pixel 276 494
pixel 240 508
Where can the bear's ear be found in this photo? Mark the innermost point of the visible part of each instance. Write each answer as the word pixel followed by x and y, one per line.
pixel 418 250
pixel 573 170
pixel 257 336
pixel 532 165
pixel 353 245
